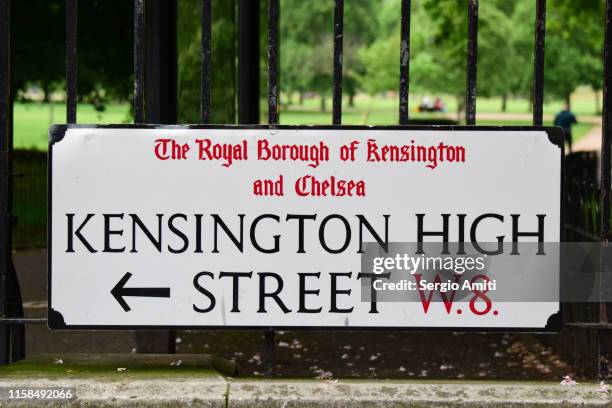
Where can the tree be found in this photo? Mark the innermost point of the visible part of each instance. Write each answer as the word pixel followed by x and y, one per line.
pixel 223 87
pixel 307 45
pixel 573 47
pixel 381 58
pixel 448 48
pixel 104 47
pixel 438 42
pixel 297 79
pixel 522 38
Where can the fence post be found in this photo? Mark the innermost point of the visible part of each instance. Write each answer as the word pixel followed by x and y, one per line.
pixel 71 61
pixel 248 62
pixel 404 63
pixel 5 174
pixel 160 106
pixel 338 58
pixel 472 63
pixel 538 62
pixel 205 62
pixel 273 104
pixel 139 55
pixel 606 145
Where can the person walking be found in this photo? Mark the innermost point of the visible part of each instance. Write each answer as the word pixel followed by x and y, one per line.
pixel 565 119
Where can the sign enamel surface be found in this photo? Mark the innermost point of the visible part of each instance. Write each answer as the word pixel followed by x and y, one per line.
pixel 253 227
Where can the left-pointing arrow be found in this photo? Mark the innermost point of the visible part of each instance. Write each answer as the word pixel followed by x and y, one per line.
pixel 120 291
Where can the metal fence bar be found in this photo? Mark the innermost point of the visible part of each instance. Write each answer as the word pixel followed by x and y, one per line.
pixel 338 57
pixel 273 12
pixel 606 141
pixel 206 63
pixel 248 62
pixel 273 57
pixel 160 62
pixel 472 63
pixel 139 56
pixel 606 145
pixel 404 85
pixel 71 61
pixel 23 320
pixel 5 173
pixel 538 62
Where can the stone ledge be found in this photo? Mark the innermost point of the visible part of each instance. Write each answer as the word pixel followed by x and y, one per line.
pixel 152 392
pixel 383 393
pixel 199 381
pixel 220 392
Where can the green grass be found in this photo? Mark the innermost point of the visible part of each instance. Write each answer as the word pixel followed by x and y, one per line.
pixel 32 120
pixel 57 371
pixel 578 131
pixel 583 103
pixel 105 366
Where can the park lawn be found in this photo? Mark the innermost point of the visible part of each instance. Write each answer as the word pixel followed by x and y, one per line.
pixel 583 103
pixel 32 120
pixel 381 117
pixel 578 131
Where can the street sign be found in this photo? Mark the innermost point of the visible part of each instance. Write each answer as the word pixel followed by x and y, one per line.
pixel 257 227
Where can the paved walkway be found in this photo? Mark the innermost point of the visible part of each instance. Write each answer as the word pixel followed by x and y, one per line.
pixel 594 119
pixel 589 142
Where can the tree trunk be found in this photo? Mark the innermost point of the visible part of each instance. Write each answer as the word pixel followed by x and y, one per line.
pixel 351 100
pixel 460 102
pixel 531 101
pixel 597 103
pixel 46 93
pixel 51 113
pixel 568 101
pixel 323 103
pixel 504 106
pixel 301 99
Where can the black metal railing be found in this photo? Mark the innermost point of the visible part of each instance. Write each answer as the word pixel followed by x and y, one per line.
pixel 589 205
pixel 29 198
pixel 6 137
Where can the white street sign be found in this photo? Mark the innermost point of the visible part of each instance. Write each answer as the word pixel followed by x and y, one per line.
pixel 250 227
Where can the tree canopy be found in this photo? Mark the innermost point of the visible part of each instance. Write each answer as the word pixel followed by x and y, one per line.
pixel 371 48
pixel 104 47
pixel 574 39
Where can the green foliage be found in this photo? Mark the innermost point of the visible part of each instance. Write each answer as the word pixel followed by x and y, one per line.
pixel 573 46
pixel 440 41
pixel 224 50
pixel 505 47
pixel 104 47
pixel 307 44
pixel 188 54
pixel 381 62
pixel 297 56
pixel 496 52
pixel 371 49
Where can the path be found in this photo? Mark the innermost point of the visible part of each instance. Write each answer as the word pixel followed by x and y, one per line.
pixel 528 116
pixel 589 142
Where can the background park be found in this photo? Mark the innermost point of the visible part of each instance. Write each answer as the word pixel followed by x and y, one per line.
pixel 573 69
pixel 573 75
